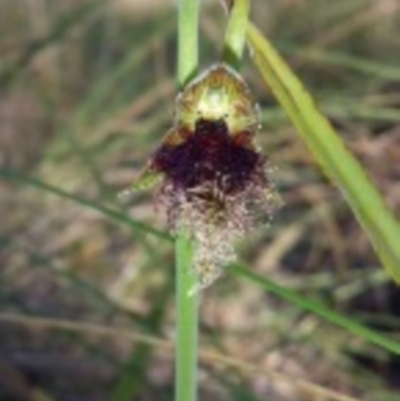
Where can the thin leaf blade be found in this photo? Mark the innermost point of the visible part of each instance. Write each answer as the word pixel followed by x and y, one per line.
pixel 331 153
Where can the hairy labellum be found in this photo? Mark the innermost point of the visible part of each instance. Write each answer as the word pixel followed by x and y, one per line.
pixel 214 181
pixel 209 154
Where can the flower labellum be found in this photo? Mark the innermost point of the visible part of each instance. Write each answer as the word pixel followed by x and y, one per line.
pixel 214 180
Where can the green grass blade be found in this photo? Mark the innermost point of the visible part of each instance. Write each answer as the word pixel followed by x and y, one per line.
pixel 327 147
pixel 14 176
pixel 320 310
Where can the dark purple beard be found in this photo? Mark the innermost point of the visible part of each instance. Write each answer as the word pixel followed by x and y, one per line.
pixel 209 157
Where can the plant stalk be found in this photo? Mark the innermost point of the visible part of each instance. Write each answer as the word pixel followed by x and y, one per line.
pixel 187 301
pixel 188 40
pixel 187 322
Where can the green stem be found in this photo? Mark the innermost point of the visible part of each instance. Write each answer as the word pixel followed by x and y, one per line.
pixel 186 305
pixel 187 322
pixel 188 39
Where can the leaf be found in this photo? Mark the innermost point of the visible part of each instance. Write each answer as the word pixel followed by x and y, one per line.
pixel 321 310
pixel 114 214
pixel 329 150
pixel 147 179
pixel 235 35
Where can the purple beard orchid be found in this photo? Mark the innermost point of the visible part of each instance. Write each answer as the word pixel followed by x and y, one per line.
pixel 213 180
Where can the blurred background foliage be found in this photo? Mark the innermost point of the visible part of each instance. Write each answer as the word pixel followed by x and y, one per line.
pixel 86 92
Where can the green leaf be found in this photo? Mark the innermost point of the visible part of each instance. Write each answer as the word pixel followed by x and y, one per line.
pixel 114 214
pixel 235 35
pixel 329 150
pixel 319 309
pixel 148 179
